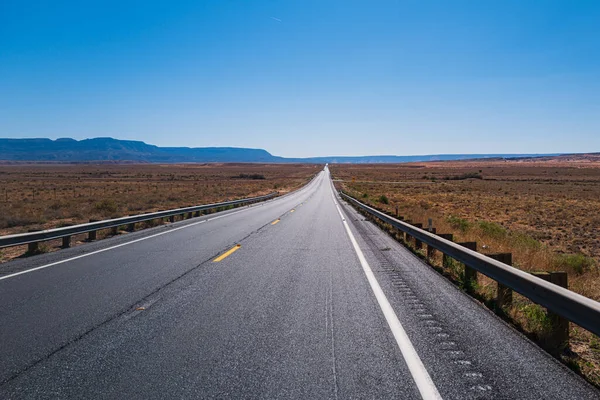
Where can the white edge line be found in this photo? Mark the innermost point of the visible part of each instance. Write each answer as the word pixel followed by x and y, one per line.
pixel 415 365
pixel 117 246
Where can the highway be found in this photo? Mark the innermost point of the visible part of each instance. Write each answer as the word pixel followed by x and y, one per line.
pixel 296 297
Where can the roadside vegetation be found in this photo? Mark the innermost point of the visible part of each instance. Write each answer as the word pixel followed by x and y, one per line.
pixel 544 213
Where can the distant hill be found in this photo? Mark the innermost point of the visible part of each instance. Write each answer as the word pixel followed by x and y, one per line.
pixel 114 150
pixel 108 149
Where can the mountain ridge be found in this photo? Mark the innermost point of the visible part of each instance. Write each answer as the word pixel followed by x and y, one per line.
pixel 106 149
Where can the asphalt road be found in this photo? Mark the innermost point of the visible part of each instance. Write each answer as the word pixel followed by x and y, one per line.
pixel 315 302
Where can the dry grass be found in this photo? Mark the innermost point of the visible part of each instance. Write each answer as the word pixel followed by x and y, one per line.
pixel 543 212
pixel 46 196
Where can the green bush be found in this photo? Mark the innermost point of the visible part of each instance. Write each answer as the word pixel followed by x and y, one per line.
pixel 537 318
pixel 578 263
pixel 383 199
pixel 459 223
pixel 493 229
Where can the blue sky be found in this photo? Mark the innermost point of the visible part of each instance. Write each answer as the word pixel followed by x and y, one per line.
pixel 306 78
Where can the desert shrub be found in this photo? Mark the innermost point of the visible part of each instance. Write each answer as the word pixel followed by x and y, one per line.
pixel 106 206
pixel 57 205
pixel 365 195
pixel 459 223
pixel 492 229
pixel 536 318
pixel 425 205
pixel 383 199
pixel 522 240
pixel 468 175
pixel 249 176
pixel 578 263
pixel 12 221
pixel 595 343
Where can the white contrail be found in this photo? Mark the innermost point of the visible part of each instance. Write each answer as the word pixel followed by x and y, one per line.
pixel 276 19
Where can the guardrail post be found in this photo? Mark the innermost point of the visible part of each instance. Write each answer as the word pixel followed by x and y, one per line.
pixel 446 259
pixel 131 227
pixel 66 242
pixel 431 249
pixel 407 237
pixel 504 293
pixel 114 230
pixel 197 213
pixel 558 337
pixel 418 243
pixel 470 277
pixel 190 215
pixel 33 248
pixel 92 234
pixel 171 218
pixel 560 334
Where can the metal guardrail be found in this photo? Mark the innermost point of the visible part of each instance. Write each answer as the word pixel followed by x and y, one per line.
pixel 67 231
pixel 576 308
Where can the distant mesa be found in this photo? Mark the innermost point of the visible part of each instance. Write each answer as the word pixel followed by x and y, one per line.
pixel 114 150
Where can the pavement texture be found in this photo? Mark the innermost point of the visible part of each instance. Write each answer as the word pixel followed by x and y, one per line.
pixel 288 314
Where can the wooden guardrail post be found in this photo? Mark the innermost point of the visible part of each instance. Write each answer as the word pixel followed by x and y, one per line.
pixel 561 325
pixel 470 275
pixel 66 242
pixel 418 243
pixel 558 337
pixel 560 334
pixel 92 234
pixel 446 259
pixel 33 248
pixel 197 213
pixel 131 227
pixel 504 294
pixel 407 237
pixel 431 249
pixel 171 218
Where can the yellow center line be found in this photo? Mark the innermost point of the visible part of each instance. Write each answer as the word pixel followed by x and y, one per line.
pixel 274 222
pixel 292 210
pixel 228 253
